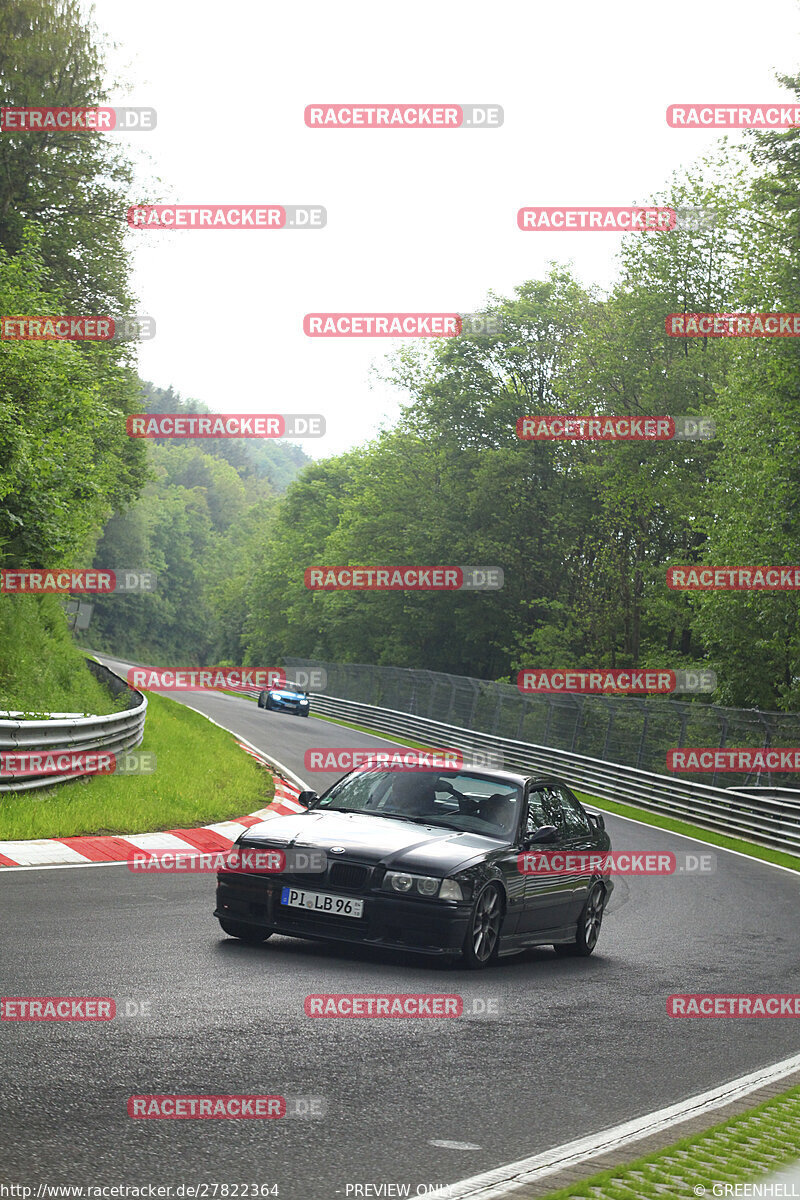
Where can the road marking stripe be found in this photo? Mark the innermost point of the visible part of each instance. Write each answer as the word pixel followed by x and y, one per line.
pixel 502 1180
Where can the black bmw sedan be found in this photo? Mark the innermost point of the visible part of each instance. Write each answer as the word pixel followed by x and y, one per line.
pixel 429 861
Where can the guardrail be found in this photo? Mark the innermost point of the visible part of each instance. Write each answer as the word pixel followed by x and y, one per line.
pixel 636 731
pixel 771 820
pixel 113 733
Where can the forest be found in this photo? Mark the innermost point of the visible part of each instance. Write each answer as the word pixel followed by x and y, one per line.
pixel 584 531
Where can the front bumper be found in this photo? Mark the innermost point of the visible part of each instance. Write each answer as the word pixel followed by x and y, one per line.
pixel 426 927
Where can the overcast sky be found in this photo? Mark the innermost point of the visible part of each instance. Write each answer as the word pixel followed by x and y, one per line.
pixel 418 220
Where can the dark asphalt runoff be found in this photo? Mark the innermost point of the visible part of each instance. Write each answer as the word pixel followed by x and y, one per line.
pixel 576 1046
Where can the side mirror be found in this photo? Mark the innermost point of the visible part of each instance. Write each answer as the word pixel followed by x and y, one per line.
pixel 596 819
pixel 307 799
pixel 545 835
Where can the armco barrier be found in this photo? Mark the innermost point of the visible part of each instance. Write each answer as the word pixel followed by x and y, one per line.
pixel 634 731
pixel 772 820
pixel 113 733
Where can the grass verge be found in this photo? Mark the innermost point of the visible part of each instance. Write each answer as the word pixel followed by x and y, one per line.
pixel 41 668
pixel 755 1144
pixel 201 776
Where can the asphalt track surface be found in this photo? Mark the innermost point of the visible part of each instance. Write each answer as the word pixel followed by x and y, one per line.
pixel 577 1046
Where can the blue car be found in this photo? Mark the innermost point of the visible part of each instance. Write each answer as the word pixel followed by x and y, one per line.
pixel 285 700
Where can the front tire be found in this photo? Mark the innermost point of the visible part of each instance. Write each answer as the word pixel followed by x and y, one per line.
pixel 483 932
pixel 589 923
pixel 262 700
pixel 245 933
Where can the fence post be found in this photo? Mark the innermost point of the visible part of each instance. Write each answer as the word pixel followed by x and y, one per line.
pixel 609 727
pixel 523 711
pixel 642 739
pixel 550 705
pixel 452 705
pixel 722 740
pixel 498 695
pixel 475 694
pixel 578 700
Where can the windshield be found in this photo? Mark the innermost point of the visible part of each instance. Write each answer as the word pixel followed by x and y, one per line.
pixel 467 801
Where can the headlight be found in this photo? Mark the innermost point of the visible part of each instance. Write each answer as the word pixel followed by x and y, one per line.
pixel 398 881
pixel 423 885
pixel 303 702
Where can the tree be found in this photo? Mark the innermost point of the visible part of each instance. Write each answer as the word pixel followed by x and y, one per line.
pixel 65 458
pixel 75 185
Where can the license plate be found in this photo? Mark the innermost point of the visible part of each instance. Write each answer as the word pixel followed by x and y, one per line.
pixel 322 902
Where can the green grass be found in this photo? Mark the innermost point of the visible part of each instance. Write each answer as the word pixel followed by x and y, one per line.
pixel 41 668
pixel 201 776
pixel 751 1146
pixel 659 820
pixel 765 853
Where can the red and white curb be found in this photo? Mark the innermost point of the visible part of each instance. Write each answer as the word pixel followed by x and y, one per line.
pixel 80 851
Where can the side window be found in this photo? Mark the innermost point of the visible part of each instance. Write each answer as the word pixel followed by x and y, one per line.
pixel 553 809
pixel 544 808
pixel 536 817
pixel 576 823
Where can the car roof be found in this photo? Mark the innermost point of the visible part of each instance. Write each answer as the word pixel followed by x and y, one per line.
pixel 516 777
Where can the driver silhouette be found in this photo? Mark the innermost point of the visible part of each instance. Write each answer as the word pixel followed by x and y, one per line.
pixel 413 794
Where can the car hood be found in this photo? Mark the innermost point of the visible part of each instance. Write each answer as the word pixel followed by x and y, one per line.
pixel 287 695
pixel 375 840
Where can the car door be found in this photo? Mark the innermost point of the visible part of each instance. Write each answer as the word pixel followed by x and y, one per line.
pixel 549 898
pixel 579 838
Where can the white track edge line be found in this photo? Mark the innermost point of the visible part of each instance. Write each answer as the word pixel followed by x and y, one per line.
pixel 702 842
pixel 121 862
pixel 502 1180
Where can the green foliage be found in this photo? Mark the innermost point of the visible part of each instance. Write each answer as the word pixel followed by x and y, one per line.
pixel 41 668
pixel 74 185
pixel 753 639
pixel 199 525
pixel 584 532
pixel 65 458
